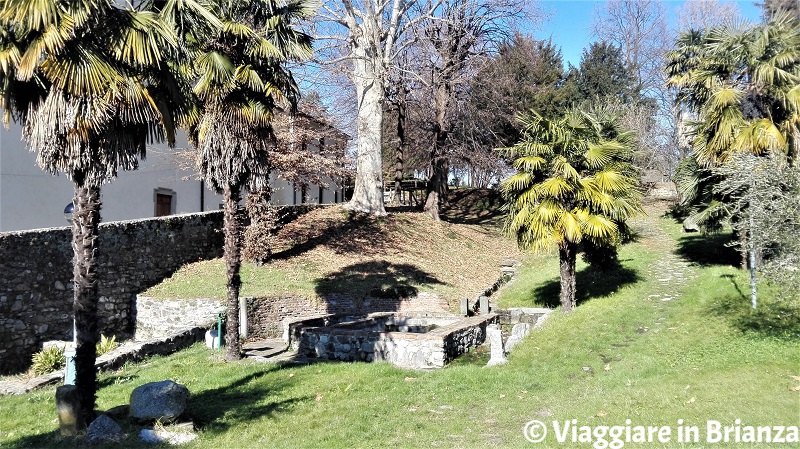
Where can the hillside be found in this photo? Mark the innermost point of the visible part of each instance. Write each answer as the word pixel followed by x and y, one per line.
pixel 331 250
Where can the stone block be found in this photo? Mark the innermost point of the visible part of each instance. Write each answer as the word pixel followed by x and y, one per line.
pixel 67 407
pixel 484 304
pixel 495 337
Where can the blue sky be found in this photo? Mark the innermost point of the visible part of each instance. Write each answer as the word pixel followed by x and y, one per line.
pixel 569 23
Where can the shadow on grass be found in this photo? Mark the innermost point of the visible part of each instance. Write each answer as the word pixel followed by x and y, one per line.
pixel 246 399
pixel 771 317
pixel 376 279
pixel 215 411
pixel 114 379
pixel 710 249
pixel 590 282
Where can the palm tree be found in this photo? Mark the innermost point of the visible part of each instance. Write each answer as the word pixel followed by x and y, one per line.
pixel 102 91
pixel 743 84
pixel 574 182
pixel 240 78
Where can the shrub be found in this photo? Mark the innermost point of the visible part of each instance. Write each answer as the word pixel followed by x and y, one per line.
pixel 106 344
pixel 48 360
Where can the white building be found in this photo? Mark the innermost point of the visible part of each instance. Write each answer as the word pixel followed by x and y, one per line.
pixel 31 198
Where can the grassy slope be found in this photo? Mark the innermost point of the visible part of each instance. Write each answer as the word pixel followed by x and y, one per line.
pixel 404 252
pixel 650 361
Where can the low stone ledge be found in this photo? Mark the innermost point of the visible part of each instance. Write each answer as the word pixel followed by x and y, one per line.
pixel 127 352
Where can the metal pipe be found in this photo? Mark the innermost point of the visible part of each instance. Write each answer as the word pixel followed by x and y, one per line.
pixel 219 330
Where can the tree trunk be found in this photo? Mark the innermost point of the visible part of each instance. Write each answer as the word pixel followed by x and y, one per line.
pixel 567 253
pixel 437 185
pixel 440 164
pixel 233 263
pixel 85 221
pixel 370 92
pixel 401 142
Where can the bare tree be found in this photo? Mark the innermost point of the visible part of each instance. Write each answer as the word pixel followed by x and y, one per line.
pixel 639 28
pixel 365 36
pixel 702 14
pixel 453 40
pixel 524 74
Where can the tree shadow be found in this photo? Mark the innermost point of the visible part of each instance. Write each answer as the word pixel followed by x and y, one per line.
pixel 710 249
pixel 355 234
pixel 481 207
pixel 590 282
pixel 771 318
pixel 376 279
pixel 213 411
pixel 735 284
pixel 245 399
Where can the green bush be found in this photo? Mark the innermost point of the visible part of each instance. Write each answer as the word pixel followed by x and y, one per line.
pixel 106 344
pixel 48 360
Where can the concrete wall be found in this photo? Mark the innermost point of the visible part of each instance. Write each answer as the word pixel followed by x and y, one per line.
pixel 36 273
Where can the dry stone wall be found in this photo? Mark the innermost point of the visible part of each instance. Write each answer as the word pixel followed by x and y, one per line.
pixel 157 318
pixel 36 273
pixel 266 316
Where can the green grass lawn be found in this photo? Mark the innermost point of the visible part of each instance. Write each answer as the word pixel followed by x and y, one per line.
pixel 625 353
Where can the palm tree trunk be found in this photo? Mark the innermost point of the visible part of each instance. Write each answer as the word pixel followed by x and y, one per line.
pixel 85 221
pixel 233 263
pixel 567 256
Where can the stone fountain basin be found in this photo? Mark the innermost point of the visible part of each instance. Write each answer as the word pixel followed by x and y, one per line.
pixel 418 341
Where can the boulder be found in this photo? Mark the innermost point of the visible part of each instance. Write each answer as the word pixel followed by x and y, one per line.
pixel 162 401
pixel 104 430
pixel 689 225
pixel 118 412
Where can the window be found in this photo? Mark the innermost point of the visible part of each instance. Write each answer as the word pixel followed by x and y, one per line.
pixel 164 200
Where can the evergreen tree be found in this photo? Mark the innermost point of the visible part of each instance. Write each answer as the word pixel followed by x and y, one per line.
pixel 602 73
pixel 525 74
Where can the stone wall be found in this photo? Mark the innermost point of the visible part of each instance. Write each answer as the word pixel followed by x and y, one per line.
pixel 432 349
pixel 36 274
pixel 266 315
pixel 157 318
